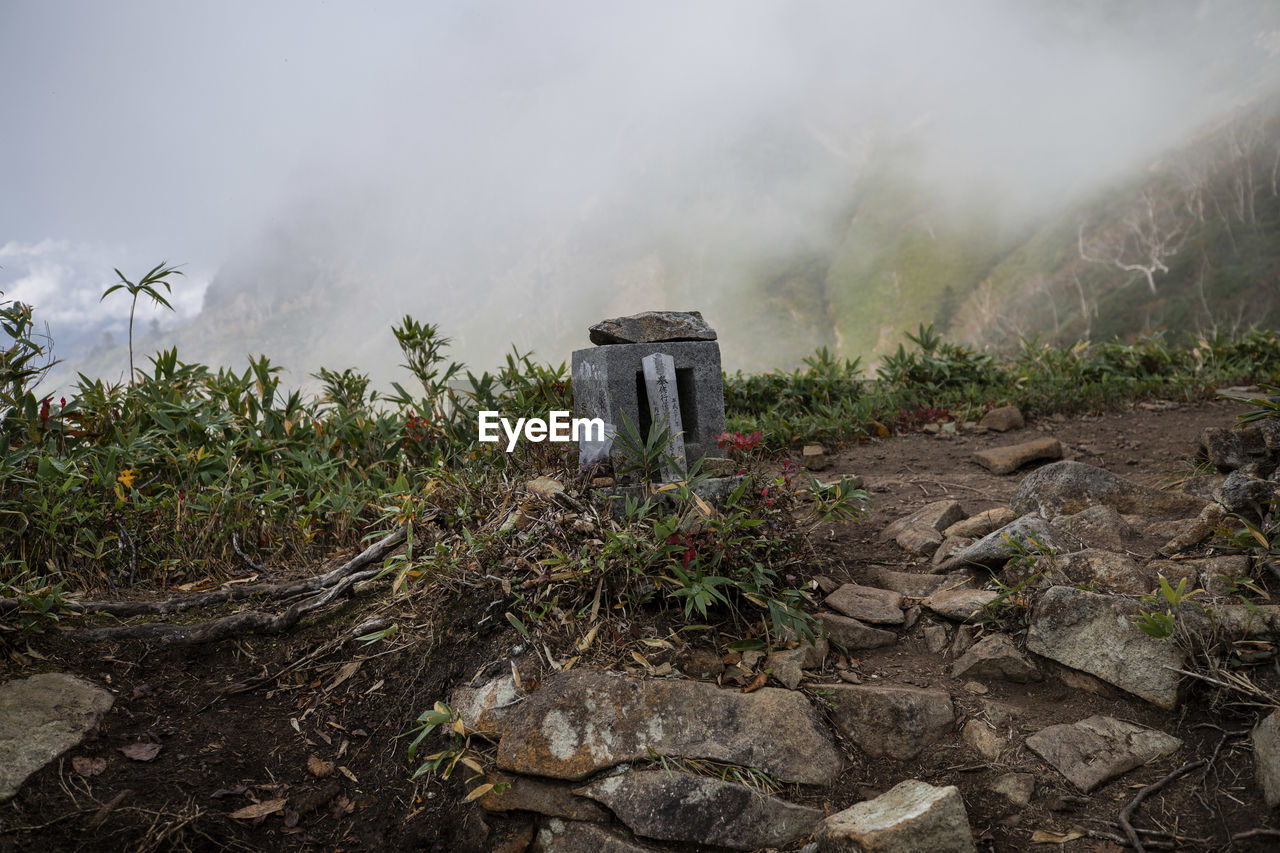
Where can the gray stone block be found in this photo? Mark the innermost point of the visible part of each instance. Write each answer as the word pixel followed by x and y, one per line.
pixel 609 380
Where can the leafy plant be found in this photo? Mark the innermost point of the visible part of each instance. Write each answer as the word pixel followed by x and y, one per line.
pixel 155 278
pixel 1161 624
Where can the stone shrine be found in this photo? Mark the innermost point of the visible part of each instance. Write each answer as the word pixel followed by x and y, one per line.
pixel 609 379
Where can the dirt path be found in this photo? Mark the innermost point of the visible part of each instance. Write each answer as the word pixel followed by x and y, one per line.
pixel 320 734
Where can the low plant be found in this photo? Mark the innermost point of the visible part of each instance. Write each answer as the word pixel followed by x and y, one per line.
pixel 1162 623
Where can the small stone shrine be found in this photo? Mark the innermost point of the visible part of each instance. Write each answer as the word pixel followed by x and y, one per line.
pixel 656 367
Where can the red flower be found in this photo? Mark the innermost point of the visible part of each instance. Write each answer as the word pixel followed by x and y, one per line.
pixel 44 412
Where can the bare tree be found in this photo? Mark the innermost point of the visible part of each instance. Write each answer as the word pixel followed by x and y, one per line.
pixel 1148 236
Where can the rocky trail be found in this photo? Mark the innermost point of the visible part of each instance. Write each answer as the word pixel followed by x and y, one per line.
pixel 958 703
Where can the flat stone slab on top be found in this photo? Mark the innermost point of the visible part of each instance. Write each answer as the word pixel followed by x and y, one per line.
pixel 42 717
pixel 651 327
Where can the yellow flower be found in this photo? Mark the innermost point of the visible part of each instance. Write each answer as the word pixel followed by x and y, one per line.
pixel 126 477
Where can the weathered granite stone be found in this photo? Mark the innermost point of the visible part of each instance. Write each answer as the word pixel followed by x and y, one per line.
pixel 891 721
pixel 935 638
pixel 531 794
pixel 1017 788
pixel 977 526
pixel 1067 487
pixel 585 720
pixel 911 817
pixel 949 546
pixel 651 327
pixel 867 604
pixel 609 380
pixel 994 549
pixel 788 665
pixel 814 457
pixel 996 657
pixel 853 634
pixel 561 836
pixel 1242 492
pixel 936 516
pixel 1006 460
pixel 960 605
pixel 1199 530
pixel 1098 748
pixel 919 540
pixel 677 806
pixel 1003 419
pixel 1266 757
pixel 1098 527
pixel 1096 633
pixel 1228 449
pixel 918 584
pixel 482 709
pixel 1115 573
pixel 981 739
pixel 41 717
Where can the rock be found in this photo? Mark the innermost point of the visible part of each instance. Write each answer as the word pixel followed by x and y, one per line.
pixel 559 836
pixel 826 585
pixel 1097 527
pixel 1095 633
pixel 676 806
pixel 651 327
pixel 911 817
pixel 996 657
pixel 700 662
pixel 1098 748
pixel 935 638
pixel 916 584
pixel 963 640
pixel 1067 487
pixel 981 739
pixel 41 717
pixel 920 541
pixel 1242 492
pixel 719 466
pixel 1115 573
pixel 1217 575
pixel 1017 788
pixel 1266 757
pixel 1229 449
pixel 1006 460
pixel 960 605
pixel 482 709
pixel 993 550
pixel 949 546
pixel 545 486
pixel 1003 419
pixel 1203 486
pixel 530 794
pixel 891 721
pixel 788 665
pixel 584 720
pixel 814 457
pixel 852 634
pixel 979 525
pixel 513 835
pixel 867 604
pixel 936 516
pixel 1199 530
pixel 1000 714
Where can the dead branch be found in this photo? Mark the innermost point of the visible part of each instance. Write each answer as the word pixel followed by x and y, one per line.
pixel 268 591
pixel 1127 812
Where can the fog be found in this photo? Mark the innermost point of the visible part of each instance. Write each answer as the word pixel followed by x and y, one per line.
pixel 514 170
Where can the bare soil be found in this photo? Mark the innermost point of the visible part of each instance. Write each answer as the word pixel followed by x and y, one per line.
pixel 329 698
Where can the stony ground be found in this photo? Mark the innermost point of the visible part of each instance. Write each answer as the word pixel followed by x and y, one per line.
pixel 294 734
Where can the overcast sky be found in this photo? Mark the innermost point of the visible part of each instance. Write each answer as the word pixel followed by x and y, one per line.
pixel 140 131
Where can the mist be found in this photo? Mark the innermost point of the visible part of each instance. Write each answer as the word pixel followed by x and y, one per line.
pixel 515 171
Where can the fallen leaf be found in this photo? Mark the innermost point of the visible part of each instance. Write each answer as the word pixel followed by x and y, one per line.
pixel 318 767
pixel 756 683
pixel 345 772
pixel 478 792
pixel 341 805
pixel 1048 836
pixel 88 766
pixel 585 642
pixel 348 670
pixel 141 751
pixel 258 810
pixel 640 659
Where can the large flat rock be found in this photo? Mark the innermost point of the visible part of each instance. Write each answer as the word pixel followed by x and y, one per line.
pixel 912 817
pixel 994 550
pixel 677 806
pixel 650 327
pixel 1099 748
pixel 1266 757
pixel 567 836
pixel 544 796
pixel 867 604
pixel 891 721
pixel 1068 487
pixel 42 717
pixel 1096 634
pixel 582 721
